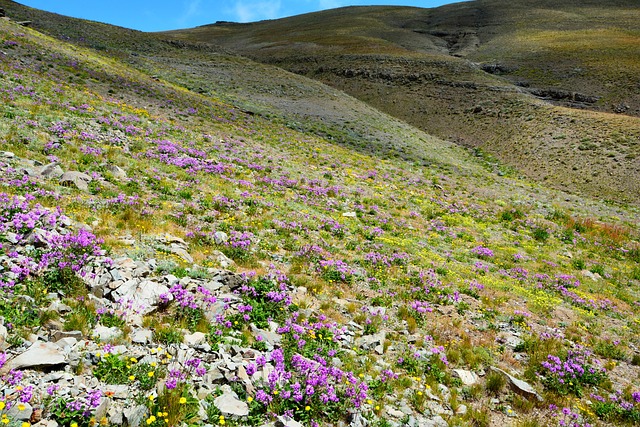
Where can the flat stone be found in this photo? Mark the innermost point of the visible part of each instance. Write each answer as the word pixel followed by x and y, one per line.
pixel 58 335
pixel 392 412
pixel 39 354
pixel 520 387
pixel 78 179
pixel 283 421
pixel 223 260
pixel 220 237
pixel 52 170
pixel 270 337
pixel 141 336
pixel 66 343
pixel 230 405
pixel 145 294
pixel 105 334
pixel 117 391
pixel 21 414
pixel 468 378
pixel 195 339
pixel 135 415
pixel 116 171
pixel 181 252
pixel 372 342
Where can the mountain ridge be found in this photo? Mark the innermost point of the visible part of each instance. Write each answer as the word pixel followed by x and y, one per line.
pixel 443 94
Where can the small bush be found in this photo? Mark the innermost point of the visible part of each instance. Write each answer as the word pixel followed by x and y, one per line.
pixel 495 383
pixel 167 335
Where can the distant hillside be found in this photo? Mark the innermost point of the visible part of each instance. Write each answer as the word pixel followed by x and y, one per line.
pixel 549 88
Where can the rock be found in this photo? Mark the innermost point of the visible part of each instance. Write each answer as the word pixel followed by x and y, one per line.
pixel 349 215
pixel 116 171
pixel 3 335
pixel 269 337
pixel 468 378
pixel 358 421
pixel 220 237
pixel 593 276
pixel 228 278
pixel 58 335
pixel 394 413
pixel 52 170
pixel 181 252
pixel 105 334
pixel 283 421
pixel 20 412
pixel 229 404
pixel 6 154
pixel 195 339
pixel 117 391
pixel 438 421
pixel 38 355
pixel 135 415
pixel 101 410
pixel 141 336
pixel 520 387
pixel 222 259
pixel 78 179
pixel 372 342
pixel 462 409
pixel 145 294
pixel 66 343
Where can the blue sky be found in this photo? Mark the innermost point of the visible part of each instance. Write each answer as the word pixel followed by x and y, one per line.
pixel 158 15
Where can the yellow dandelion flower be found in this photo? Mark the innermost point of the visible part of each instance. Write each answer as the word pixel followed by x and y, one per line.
pixel 2 405
pixel 307 408
pixel 150 374
pixel 132 377
pixel 183 400
pixel 21 407
pixel 25 424
pixel 249 399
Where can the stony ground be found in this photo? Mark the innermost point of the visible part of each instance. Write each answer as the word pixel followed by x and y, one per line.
pixel 170 258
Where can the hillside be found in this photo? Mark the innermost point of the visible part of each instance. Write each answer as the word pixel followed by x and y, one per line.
pixel 549 88
pixel 188 237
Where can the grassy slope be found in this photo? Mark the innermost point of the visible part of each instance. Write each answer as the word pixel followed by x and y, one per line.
pixel 400 61
pixel 288 188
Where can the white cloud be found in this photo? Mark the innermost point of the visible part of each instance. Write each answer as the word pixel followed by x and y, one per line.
pixel 192 8
pixel 249 11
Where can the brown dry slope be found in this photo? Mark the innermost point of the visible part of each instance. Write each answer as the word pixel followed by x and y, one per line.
pixel 549 88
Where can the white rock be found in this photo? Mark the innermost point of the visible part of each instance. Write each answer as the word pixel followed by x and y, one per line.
pixel 141 336
pixel 39 354
pixel 16 413
pixel 468 378
pixel 145 294
pixel 288 422
pixel 195 339
pixel 230 405
pixel 105 334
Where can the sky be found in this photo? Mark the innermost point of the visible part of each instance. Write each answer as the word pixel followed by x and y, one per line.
pixel 159 15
